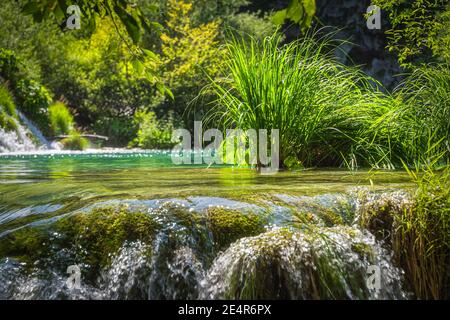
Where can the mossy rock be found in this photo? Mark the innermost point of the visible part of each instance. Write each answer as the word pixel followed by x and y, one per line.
pixel 99 234
pixel 228 225
pixel 321 263
pixel 26 244
pixel 380 213
pixel 312 213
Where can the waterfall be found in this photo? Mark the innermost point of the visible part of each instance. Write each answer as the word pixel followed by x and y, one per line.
pixel 206 248
pixel 19 140
pixel 34 130
pixel 15 140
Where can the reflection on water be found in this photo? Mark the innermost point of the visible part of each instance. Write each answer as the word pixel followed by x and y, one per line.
pixel 36 186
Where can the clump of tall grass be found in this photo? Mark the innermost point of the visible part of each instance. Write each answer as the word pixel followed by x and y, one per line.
pixel 75 141
pixel 416 228
pixel 61 121
pixel 421 241
pixel 424 118
pixel 326 112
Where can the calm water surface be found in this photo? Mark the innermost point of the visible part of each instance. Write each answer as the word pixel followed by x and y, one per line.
pixel 34 187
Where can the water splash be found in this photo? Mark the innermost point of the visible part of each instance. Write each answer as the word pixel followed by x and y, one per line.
pixel 324 264
pixel 19 141
pixel 286 260
pixel 16 140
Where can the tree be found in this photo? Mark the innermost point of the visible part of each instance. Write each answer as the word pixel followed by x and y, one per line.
pixel 190 54
pixel 420 30
pixel 130 15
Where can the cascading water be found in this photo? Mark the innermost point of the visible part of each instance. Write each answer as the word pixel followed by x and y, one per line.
pixel 19 140
pixel 15 140
pixel 34 130
pixel 202 248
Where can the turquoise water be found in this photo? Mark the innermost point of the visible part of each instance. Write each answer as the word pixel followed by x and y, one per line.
pixel 30 184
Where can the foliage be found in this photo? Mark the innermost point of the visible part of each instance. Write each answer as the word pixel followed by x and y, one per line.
pixel 152 133
pixel 33 100
pixel 256 25
pixel 6 102
pixel 119 129
pixel 99 82
pixel 189 55
pixel 419 29
pixel 130 16
pixel 36 47
pixel 7 110
pixel 426 112
pixel 298 11
pixel 8 64
pixel 61 121
pixel 423 243
pixel 416 229
pixel 75 142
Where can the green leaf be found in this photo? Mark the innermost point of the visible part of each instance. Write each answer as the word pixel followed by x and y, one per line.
pixel 295 11
pixel 279 17
pixel 310 7
pixel 169 93
pixel 131 24
pixel 29 8
pixel 150 54
pixel 138 66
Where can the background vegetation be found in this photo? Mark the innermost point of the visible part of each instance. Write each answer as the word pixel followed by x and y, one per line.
pixel 135 72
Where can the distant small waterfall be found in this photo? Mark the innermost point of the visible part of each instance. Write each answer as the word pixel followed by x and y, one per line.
pixel 34 130
pixel 16 140
pixel 20 140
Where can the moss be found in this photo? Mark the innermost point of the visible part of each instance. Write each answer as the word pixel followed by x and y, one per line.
pixel 261 277
pixel 99 234
pixel 319 263
pixel 364 250
pixel 26 244
pixel 227 225
pixel 378 215
pixel 316 214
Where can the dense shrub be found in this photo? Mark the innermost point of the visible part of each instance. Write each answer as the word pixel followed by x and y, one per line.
pixel 33 100
pixel 75 142
pixel 7 110
pixel 420 29
pixel 153 133
pixel 8 65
